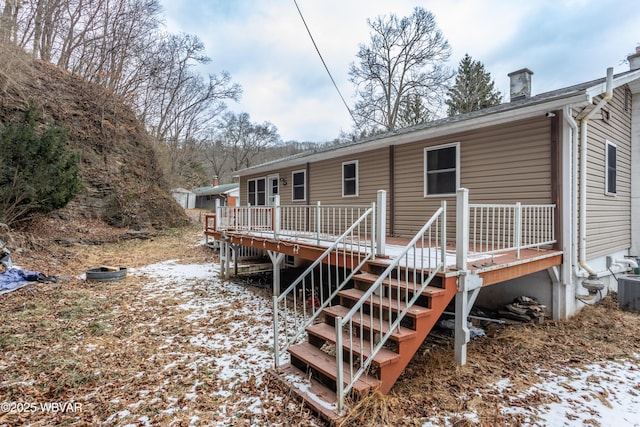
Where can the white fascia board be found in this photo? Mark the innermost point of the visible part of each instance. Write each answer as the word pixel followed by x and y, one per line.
pixel 429 133
pixel 601 88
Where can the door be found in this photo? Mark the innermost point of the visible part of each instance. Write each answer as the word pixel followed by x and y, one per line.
pixel 273 188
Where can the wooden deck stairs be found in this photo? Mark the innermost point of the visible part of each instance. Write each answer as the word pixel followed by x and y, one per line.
pixel 313 363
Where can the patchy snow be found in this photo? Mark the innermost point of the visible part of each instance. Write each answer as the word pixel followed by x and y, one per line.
pixel 234 344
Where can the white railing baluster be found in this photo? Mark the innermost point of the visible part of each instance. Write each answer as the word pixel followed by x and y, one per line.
pixel 405 262
pixel 502 228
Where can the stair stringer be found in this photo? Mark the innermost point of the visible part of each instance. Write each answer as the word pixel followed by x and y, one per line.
pixel 388 375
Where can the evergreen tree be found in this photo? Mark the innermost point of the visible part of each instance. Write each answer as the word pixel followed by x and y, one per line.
pixel 38 172
pixel 473 89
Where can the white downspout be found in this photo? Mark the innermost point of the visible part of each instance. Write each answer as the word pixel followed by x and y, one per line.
pixel 574 192
pixel 583 173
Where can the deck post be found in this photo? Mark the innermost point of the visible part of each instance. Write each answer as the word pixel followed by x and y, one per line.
pixel 517 233
pixel 318 223
pixel 339 368
pixel 227 260
pixel 469 284
pixel 276 259
pixel 381 223
pixel 276 330
pixel 462 228
pixel 276 217
pixel 462 301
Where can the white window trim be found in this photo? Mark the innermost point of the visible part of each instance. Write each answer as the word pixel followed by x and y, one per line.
pixel 304 198
pixel 266 190
pixel 424 171
pixel 357 178
pixel 607 143
pixel 269 188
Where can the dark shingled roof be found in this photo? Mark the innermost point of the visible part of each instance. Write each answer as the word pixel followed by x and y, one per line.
pixel 566 92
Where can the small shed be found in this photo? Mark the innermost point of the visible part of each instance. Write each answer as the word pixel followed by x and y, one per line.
pixel 227 194
pixel 185 198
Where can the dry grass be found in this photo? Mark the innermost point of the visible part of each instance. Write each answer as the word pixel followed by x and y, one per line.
pixel 103 345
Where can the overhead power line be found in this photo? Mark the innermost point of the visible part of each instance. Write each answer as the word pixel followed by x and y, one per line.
pixel 324 63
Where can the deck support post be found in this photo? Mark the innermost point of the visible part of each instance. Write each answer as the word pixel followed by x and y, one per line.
pixel 559 292
pixel 469 284
pixel 276 218
pixel 276 259
pixel 381 223
pixel 225 264
pixel 236 255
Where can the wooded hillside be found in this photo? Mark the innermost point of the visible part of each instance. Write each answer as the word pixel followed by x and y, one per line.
pixel 122 183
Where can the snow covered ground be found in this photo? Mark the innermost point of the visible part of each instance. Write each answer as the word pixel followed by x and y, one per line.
pixel 236 341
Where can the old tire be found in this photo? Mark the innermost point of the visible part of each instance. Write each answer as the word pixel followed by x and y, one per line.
pixel 103 274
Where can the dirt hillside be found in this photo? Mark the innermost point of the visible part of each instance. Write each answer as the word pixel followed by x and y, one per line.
pixel 122 182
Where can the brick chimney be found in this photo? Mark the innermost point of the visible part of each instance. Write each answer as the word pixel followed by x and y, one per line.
pixel 215 182
pixel 634 60
pixel 520 86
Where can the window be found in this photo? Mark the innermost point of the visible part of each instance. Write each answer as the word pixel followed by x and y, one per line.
pixel 441 166
pixel 610 172
pixel 350 179
pixel 256 192
pixel 298 188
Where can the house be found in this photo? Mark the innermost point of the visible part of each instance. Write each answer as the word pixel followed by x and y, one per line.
pixel 563 166
pixel 216 195
pixel 185 198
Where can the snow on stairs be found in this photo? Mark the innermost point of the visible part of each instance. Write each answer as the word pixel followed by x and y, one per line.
pixel 311 374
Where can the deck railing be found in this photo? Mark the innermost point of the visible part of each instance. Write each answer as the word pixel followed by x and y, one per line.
pixel 320 223
pixel 302 302
pixel 497 228
pixel 415 266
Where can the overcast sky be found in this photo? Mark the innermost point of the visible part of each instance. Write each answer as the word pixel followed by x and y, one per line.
pixel 265 47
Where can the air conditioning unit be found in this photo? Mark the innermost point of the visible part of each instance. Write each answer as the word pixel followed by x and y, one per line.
pixel 629 292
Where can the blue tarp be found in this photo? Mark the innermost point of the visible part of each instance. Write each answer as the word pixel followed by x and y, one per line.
pixel 15 278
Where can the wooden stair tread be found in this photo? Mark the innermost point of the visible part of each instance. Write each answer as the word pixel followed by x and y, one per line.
pixel 326 364
pixel 370 322
pixel 371 278
pixel 327 332
pixel 314 394
pixel 415 311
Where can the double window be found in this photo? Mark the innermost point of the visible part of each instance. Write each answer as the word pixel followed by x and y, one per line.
pixel 610 168
pixel 350 179
pixel 299 186
pixel 441 169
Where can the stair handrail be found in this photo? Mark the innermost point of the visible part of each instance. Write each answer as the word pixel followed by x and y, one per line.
pixel 375 292
pixel 365 248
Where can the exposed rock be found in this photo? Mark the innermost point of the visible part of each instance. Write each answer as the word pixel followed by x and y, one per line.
pixel 122 181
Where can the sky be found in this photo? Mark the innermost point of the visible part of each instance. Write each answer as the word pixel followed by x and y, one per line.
pixel 266 49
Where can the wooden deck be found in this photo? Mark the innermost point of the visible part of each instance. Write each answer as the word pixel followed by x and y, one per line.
pixel 492 269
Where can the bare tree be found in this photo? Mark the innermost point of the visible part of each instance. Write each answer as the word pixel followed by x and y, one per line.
pixel 216 154
pixel 9 21
pixel 178 102
pixel 239 142
pixel 404 60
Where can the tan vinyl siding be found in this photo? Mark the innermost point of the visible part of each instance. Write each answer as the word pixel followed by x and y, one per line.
pixel 325 180
pixel 609 217
pixel 501 164
pixel 373 175
pixel 285 190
